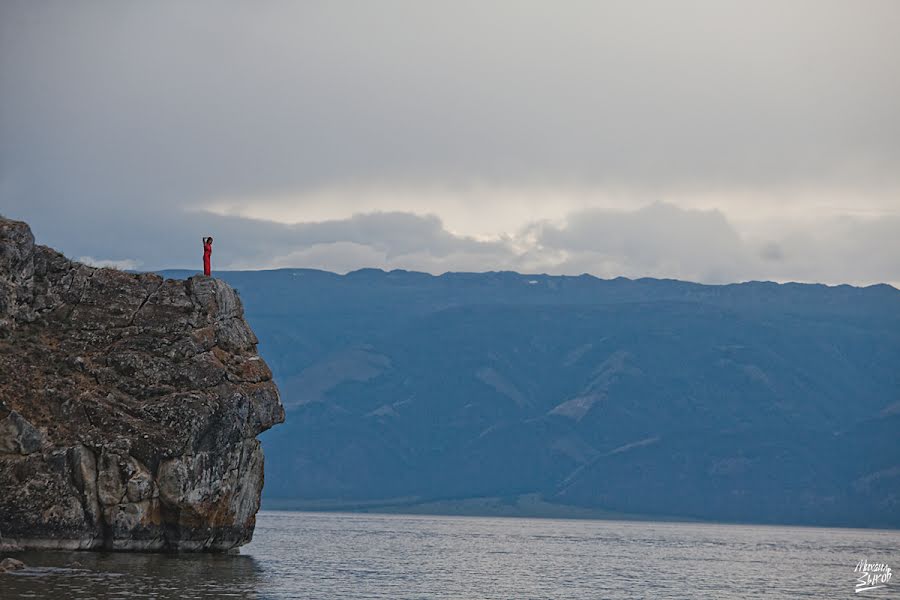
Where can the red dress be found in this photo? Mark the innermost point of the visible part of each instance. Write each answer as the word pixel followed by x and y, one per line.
pixel 207 252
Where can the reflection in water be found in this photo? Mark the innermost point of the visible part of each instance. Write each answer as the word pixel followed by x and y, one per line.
pixel 351 556
pixel 103 575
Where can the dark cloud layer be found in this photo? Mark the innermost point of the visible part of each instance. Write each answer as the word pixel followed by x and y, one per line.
pixel 120 123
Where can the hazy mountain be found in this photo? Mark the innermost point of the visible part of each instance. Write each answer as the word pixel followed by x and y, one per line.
pixel 750 402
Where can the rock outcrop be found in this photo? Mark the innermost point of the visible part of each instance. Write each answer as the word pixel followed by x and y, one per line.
pixel 10 564
pixel 129 407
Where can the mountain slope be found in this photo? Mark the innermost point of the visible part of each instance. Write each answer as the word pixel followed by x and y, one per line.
pixel 750 402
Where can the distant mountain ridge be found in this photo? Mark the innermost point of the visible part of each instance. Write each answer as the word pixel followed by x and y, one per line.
pixel 756 401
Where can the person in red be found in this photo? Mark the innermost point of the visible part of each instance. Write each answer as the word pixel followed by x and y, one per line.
pixel 207 252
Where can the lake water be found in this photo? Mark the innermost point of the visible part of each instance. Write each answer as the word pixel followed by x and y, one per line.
pixel 340 555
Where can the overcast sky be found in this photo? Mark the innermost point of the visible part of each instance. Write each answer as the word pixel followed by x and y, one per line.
pixel 713 141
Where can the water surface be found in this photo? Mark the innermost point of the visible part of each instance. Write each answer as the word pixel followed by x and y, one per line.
pixel 341 555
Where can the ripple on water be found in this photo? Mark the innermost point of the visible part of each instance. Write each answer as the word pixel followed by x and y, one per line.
pixel 333 555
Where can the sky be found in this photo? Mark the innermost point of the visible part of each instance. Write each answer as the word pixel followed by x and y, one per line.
pixel 712 141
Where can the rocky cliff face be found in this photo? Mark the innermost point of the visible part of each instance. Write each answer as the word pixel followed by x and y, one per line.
pixel 129 407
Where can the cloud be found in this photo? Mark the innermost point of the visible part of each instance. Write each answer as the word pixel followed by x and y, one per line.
pixel 388 240
pixel 771 251
pixel 840 249
pixel 698 139
pixel 656 240
pixel 659 240
pixel 300 95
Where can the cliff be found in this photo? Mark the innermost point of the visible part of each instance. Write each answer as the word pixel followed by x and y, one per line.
pixel 129 407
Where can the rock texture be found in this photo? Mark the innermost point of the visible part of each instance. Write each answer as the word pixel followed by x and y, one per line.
pixel 10 564
pixel 129 407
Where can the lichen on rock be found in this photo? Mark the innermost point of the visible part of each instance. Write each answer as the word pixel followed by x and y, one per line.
pixel 129 407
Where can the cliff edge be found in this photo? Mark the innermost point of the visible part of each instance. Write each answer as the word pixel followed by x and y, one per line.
pixel 129 407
